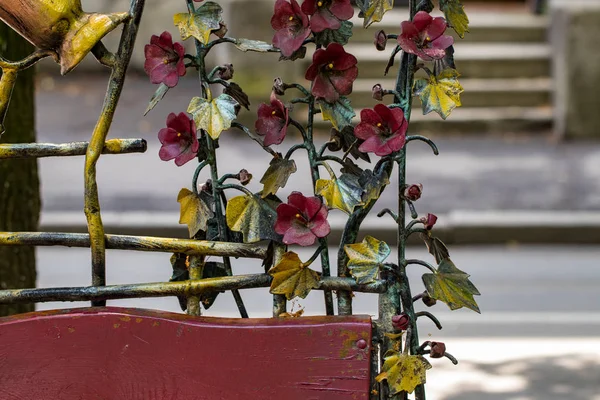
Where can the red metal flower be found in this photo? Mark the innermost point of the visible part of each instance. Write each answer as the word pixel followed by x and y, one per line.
pixel 383 130
pixel 429 221
pixel 302 220
pixel 424 36
pixel 332 71
pixel 401 322
pixel 291 26
pixel 272 121
pixel 437 349
pixel 164 60
pixel 178 139
pixel 413 192
pixel 327 14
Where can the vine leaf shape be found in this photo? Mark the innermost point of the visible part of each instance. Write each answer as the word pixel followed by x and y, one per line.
pixel 451 286
pixel 455 14
pixel 403 372
pixel 439 93
pixel 214 115
pixel 366 258
pixel 340 35
pixel 277 175
pixel 201 23
pixel 254 217
pixel 194 211
pixel 340 113
pixel 343 193
pixel 436 247
pixel 292 278
pixel 374 10
pixel 157 97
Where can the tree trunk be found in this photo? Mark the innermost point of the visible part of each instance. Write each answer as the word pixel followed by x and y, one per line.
pixel 19 182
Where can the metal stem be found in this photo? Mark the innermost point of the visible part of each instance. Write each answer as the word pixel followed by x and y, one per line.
pixel 39 150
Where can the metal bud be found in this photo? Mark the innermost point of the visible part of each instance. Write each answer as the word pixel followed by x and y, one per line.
pixel 380 40
pixel 60 26
pixel 377 92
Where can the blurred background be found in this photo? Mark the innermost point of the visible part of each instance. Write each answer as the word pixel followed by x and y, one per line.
pixel 516 186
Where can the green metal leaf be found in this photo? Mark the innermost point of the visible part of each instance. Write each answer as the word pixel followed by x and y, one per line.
pixel 254 45
pixel 156 97
pixel 452 286
pixel 194 212
pixel 403 372
pixel 365 259
pixel 277 175
pixel 292 278
pixel 372 184
pixel 213 116
pixel 436 247
pixel 339 113
pixel 343 193
pixel 340 35
pixel 456 16
pixel 234 90
pixel 211 269
pixel 439 93
pixel 180 273
pixel 200 24
pixel 253 217
pixel 374 10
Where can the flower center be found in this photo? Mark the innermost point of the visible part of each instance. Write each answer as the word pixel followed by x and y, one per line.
pixel 291 18
pixel 330 66
pixel 379 124
pixel 273 112
pixel 301 219
pixel 320 3
pixel 178 134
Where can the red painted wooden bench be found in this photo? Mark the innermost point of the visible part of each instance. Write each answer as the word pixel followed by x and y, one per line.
pixel 117 353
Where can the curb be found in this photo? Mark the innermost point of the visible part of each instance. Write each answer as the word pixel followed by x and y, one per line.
pixel 456 227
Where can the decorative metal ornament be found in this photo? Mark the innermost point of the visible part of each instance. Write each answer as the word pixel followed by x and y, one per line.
pixel 60 26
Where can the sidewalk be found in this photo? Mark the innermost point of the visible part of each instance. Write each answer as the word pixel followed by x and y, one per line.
pixel 510 188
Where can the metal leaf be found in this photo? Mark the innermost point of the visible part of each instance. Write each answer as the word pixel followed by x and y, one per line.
pixel 213 116
pixel 366 258
pixel 343 193
pixel 372 184
pixel 403 372
pixel 340 113
pixel 451 286
pixel 201 23
pixel 292 278
pixel 277 175
pixel 374 10
pixel 211 269
pixel 254 45
pixel 234 90
pixel 456 16
pixel 436 247
pixel 253 217
pixel 439 93
pixel 156 97
pixel 194 212
pixel 180 273
pixel 340 35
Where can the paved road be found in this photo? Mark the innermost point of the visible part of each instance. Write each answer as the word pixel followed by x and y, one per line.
pixel 538 337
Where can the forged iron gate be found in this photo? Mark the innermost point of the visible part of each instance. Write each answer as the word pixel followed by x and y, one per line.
pixel 81 33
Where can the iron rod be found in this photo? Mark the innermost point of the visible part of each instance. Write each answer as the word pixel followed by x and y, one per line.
pixel 39 150
pixel 138 243
pixel 164 289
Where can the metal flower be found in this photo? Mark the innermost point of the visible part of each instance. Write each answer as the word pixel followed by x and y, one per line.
pixel 332 71
pixel 272 121
pixel 302 220
pixel 291 26
pixel 413 192
pixel 164 60
pixel 383 130
pixel 178 139
pixel 327 14
pixel 424 36
pixel 401 322
pixel 429 221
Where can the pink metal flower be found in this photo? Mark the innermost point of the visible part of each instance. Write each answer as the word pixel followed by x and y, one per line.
pixel 383 130
pixel 302 220
pixel 429 221
pixel 327 14
pixel 332 71
pixel 424 36
pixel 272 121
pixel 178 139
pixel 164 60
pixel 291 26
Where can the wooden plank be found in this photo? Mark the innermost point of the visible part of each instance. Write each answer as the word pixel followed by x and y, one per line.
pixel 117 353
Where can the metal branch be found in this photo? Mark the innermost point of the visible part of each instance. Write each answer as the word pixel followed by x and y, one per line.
pixel 431 317
pixel 424 139
pixel 39 150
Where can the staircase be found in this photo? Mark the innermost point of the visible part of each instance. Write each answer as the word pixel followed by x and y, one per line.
pixel 505 70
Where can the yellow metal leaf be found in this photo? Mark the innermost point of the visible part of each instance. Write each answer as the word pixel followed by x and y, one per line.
pixel 277 175
pixel 403 371
pixel 292 278
pixel 452 286
pixel 365 259
pixel 455 14
pixel 374 10
pixel 441 93
pixel 252 216
pixel 213 116
pixel 201 23
pixel 194 212
pixel 343 193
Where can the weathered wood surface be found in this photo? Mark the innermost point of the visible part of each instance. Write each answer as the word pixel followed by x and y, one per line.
pixel 116 353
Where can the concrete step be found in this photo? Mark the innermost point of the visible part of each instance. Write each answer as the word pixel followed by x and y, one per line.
pixel 473 60
pixel 473 120
pixel 483 26
pixel 518 92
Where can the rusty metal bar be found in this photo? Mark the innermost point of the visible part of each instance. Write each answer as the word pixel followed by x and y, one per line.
pixel 39 150
pixel 164 289
pixel 279 301
pixel 138 243
pixel 113 93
